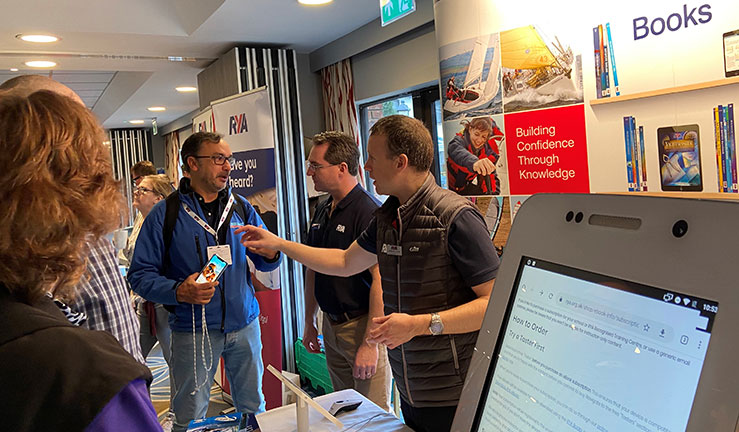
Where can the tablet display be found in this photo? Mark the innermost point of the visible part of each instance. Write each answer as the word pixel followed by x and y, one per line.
pixel 731 53
pixel 584 351
pixel 679 158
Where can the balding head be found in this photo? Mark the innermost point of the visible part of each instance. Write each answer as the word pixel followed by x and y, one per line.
pixel 26 85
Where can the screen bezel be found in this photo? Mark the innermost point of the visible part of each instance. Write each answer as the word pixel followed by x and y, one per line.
pixel 727 72
pixel 620 284
pixel 646 253
pixel 217 260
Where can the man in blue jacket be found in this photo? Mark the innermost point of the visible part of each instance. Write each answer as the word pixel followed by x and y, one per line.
pixel 207 215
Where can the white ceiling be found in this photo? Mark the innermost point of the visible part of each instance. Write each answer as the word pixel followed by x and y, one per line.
pixel 114 52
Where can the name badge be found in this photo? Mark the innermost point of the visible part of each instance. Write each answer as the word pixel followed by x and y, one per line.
pixel 223 252
pixel 393 250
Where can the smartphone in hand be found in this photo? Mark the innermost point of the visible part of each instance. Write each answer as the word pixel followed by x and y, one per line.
pixel 212 270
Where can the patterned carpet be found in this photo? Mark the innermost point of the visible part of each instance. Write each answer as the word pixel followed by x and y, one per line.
pixel 160 387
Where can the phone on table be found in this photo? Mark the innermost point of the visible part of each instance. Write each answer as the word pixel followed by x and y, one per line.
pixel 213 270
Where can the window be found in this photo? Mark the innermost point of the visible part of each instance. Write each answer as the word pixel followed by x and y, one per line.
pixel 422 104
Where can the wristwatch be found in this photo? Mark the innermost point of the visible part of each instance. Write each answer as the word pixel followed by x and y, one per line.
pixel 436 327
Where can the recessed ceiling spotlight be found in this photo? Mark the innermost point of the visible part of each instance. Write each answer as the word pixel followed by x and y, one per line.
pixel 14 69
pixel 314 2
pixel 136 121
pixel 37 38
pixel 157 108
pixel 40 64
pixel 186 89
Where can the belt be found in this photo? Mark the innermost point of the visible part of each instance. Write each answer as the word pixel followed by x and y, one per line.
pixel 344 316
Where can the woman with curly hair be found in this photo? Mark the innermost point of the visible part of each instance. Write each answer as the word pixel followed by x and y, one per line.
pixel 57 188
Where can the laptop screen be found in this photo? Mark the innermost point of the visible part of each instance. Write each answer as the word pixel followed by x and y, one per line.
pixel 584 351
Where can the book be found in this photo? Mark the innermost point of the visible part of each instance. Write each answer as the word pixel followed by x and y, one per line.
pixel 629 153
pixel 596 52
pixel 603 74
pixel 636 156
pixel 722 132
pixel 643 159
pixel 717 137
pixel 613 60
pixel 731 143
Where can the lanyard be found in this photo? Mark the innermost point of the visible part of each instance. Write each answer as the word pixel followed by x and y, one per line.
pixel 204 224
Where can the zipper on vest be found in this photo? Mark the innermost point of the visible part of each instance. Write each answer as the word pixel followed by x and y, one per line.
pixel 454 353
pixel 397 282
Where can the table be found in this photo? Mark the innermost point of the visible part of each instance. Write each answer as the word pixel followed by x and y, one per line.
pixel 367 418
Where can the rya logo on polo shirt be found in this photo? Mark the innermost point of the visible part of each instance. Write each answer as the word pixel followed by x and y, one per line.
pixel 340 228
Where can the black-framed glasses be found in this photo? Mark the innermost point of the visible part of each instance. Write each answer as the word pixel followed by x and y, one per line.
pixel 315 167
pixel 135 179
pixel 218 159
pixel 142 190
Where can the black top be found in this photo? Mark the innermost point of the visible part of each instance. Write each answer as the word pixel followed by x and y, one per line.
pixel 470 247
pixel 351 216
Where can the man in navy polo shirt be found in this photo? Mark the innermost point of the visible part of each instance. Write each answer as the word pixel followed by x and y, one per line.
pixel 348 303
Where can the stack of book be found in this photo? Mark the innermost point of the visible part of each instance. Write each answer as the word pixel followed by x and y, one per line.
pixel 605 62
pixel 723 122
pixel 636 166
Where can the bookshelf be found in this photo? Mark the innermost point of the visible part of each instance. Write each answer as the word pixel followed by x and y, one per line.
pixel 666 91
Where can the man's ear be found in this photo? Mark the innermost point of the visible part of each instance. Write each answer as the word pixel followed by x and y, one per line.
pixel 402 162
pixel 192 163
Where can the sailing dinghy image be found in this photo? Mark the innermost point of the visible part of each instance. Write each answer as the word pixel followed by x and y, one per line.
pixel 536 75
pixel 471 87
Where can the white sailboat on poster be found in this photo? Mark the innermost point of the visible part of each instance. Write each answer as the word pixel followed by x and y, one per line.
pixel 477 91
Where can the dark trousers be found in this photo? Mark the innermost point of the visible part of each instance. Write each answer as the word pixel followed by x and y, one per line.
pixel 433 419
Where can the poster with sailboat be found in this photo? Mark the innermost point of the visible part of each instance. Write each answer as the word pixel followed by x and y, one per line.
pixel 470 73
pixel 538 72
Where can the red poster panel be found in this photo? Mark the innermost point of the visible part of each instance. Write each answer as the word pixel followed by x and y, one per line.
pixel 270 323
pixel 547 151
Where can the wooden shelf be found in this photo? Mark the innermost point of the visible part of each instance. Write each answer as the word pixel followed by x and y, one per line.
pixel 693 195
pixel 666 91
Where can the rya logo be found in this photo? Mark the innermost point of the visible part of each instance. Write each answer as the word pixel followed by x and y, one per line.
pixel 674 21
pixel 340 228
pixel 237 124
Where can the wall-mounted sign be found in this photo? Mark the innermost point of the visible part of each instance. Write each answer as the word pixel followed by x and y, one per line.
pixel 393 10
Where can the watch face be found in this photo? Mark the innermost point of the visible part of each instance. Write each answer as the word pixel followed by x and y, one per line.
pixel 436 327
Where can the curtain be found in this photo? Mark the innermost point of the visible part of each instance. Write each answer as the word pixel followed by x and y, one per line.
pixel 172 157
pixel 127 146
pixel 339 109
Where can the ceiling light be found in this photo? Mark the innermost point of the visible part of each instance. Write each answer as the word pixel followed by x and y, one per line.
pixel 136 121
pixel 37 38
pixel 157 108
pixel 186 89
pixel 14 69
pixel 314 2
pixel 40 64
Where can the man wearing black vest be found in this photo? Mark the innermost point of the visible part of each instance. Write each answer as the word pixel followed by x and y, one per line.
pixel 348 303
pixel 437 265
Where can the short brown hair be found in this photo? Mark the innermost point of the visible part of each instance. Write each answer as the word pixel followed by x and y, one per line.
pixel 58 190
pixel 480 123
pixel 194 143
pixel 341 148
pixel 160 183
pixel 143 168
pixel 408 136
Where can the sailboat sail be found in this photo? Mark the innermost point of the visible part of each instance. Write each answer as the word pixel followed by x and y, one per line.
pixel 523 48
pixel 492 83
pixel 477 62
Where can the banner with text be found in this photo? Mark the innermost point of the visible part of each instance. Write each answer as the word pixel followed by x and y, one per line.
pixel 203 122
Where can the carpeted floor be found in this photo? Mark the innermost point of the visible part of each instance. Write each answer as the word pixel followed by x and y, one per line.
pixel 160 387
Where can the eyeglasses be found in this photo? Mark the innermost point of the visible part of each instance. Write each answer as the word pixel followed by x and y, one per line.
pixel 142 190
pixel 315 167
pixel 218 159
pixel 135 179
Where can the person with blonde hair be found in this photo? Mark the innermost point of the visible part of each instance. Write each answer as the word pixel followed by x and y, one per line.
pixel 59 195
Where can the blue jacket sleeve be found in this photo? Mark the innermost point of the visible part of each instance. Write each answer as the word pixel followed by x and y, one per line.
pixel 259 261
pixel 145 273
pixel 459 154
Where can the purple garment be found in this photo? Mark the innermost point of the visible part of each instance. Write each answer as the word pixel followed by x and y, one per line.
pixel 129 410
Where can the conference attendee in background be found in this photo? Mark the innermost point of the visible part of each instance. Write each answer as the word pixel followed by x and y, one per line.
pixel 141 169
pixel 473 153
pixel 437 265
pixel 153 318
pixel 348 303
pixel 59 197
pixel 221 316
pixel 102 295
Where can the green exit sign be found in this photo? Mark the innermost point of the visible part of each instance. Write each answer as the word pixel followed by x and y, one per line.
pixel 393 10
